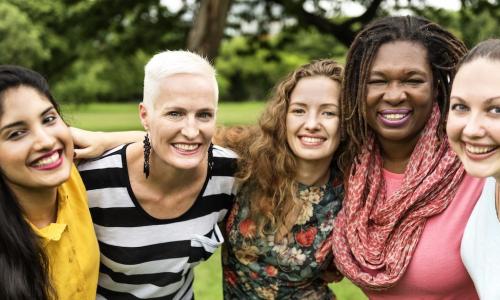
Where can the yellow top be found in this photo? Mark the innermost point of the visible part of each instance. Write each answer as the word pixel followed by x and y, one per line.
pixel 71 244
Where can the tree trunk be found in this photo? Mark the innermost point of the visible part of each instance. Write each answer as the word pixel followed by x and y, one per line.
pixel 208 27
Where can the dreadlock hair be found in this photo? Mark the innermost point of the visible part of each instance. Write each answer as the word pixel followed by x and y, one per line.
pixel 267 166
pixel 444 51
pixel 24 266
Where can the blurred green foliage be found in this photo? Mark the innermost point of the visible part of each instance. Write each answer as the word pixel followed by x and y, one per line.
pixel 96 50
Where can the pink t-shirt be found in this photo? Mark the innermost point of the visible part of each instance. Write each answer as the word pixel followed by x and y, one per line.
pixel 436 270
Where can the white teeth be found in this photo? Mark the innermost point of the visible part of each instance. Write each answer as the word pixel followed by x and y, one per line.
pixel 47 160
pixel 311 139
pixel 393 117
pixel 186 147
pixel 478 150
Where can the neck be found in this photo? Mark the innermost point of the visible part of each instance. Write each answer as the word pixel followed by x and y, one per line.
pixel 396 155
pixel 38 205
pixel 313 173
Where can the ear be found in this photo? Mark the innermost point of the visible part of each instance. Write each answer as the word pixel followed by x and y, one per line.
pixel 143 115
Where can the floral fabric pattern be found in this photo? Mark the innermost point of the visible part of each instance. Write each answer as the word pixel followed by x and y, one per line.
pixel 259 268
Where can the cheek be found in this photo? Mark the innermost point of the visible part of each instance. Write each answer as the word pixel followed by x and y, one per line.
pixel 208 130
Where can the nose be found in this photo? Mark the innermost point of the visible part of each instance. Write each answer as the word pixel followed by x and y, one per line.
pixel 190 129
pixel 312 122
pixel 44 140
pixel 474 127
pixel 394 93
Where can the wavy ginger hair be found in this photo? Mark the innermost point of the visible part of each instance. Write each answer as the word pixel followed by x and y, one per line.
pixel 267 167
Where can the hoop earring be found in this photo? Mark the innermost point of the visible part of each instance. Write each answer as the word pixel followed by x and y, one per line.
pixel 147 151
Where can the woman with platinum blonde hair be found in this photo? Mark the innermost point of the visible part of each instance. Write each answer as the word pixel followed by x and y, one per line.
pixel 291 190
pixel 156 204
pixel 474 133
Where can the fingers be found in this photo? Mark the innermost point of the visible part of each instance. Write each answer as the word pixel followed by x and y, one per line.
pixel 87 153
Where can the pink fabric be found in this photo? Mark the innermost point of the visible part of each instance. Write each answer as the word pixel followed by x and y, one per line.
pixel 380 233
pixel 436 270
pixel 392 181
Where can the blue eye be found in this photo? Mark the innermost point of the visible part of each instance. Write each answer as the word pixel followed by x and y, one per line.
pixel 495 110
pixel 298 111
pixel 459 107
pixel 330 113
pixel 174 114
pixel 205 115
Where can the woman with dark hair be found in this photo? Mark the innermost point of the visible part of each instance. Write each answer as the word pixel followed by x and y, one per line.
pixel 48 248
pixel 407 195
pixel 474 133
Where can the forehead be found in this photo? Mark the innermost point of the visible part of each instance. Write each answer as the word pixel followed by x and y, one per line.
pixel 401 55
pixel 316 89
pixel 21 103
pixel 479 78
pixel 190 90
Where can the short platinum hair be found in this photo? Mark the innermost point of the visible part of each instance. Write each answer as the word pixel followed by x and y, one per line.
pixel 168 63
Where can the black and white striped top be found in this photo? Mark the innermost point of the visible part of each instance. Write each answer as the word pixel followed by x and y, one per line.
pixel 147 258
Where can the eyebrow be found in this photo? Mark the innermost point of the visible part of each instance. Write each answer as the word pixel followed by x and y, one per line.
pixel 19 123
pixel 321 105
pixel 408 72
pixel 487 100
pixel 184 109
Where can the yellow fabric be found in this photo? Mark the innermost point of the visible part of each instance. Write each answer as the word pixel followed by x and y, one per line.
pixel 71 244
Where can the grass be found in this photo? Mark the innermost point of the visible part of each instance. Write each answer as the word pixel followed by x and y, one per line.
pixel 116 117
pixel 208 283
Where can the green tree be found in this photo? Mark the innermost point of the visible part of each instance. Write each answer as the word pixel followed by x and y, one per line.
pixel 21 38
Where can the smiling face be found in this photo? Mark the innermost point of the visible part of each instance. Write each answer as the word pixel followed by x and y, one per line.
pixel 36 149
pixel 312 120
pixel 474 119
pixel 399 92
pixel 182 121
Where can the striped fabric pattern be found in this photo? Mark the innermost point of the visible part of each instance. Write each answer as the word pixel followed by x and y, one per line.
pixel 147 258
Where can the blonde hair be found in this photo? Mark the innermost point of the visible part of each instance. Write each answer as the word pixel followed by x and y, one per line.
pixel 169 63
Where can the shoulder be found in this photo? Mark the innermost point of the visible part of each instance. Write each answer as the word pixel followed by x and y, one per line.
pixel 224 161
pixel 109 159
pixel 74 185
pixel 219 151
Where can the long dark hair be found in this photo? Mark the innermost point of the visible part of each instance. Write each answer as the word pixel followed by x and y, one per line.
pixel 24 266
pixel 444 52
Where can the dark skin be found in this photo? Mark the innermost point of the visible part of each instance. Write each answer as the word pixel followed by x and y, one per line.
pixel 400 97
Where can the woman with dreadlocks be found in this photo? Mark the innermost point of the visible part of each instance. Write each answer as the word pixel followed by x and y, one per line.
pixel 407 196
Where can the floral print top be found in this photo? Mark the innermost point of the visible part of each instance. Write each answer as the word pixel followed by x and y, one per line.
pixel 291 269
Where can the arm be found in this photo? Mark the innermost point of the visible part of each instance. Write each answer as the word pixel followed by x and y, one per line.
pixel 90 144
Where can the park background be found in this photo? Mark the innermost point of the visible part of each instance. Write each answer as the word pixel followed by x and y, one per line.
pixel 93 53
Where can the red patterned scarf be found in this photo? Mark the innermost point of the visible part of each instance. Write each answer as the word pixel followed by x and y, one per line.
pixel 378 233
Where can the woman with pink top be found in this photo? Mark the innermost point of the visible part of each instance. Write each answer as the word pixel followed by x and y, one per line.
pixel 474 132
pixel 407 196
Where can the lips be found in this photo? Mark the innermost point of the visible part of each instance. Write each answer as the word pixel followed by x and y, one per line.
pixel 479 152
pixel 49 161
pixel 394 117
pixel 311 140
pixel 186 149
